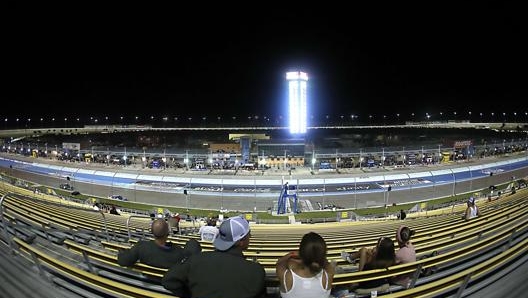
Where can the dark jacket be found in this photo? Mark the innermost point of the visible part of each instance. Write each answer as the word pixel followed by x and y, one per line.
pixel 217 274
pixel 150 253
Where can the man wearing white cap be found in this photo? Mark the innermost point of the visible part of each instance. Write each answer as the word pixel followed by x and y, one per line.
pixel 221 273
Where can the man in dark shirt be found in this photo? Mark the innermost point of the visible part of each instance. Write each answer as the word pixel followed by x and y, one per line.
pixel 221 273
pixel 113 210
pixel 402 215
pixel 158 252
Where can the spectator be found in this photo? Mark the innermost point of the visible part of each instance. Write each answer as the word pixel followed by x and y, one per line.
pixel 372 255
pixel 472 210
pixel 364 254
pixel 383 257
pixel 113 210
pixel 306 273
pixel 191 218
pixel 158 252
pixel 209 231
pixel 405 254
pixel 221 273
pixel 402 214
pixel 174 221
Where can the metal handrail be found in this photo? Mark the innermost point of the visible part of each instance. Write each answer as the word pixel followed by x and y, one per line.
pixel 105 227
pixel 128 224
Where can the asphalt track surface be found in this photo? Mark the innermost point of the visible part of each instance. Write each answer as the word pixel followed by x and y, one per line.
pixel 250 201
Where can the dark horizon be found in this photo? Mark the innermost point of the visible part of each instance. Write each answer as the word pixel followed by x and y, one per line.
pixel 368 61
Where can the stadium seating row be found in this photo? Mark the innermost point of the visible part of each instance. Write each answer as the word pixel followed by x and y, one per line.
pixel 78 246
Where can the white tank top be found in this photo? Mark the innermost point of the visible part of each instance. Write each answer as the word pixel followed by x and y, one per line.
pixel 307 287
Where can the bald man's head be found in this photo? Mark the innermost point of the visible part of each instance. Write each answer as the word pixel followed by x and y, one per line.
pixel 160 228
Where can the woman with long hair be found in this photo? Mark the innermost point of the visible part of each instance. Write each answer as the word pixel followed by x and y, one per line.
pixel 306 273
pixel 383 257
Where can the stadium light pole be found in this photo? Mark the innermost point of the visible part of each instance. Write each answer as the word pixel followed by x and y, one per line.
pixel 297 97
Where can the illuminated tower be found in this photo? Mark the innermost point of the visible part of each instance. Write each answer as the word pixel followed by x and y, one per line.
pixel 297 85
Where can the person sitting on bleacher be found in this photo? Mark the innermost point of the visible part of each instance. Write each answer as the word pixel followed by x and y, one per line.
pixel 174 222
pixel 472 210
pixel 383 257
pixel 224 272
pixel 405 254
pixel 368 254
pixel 380 256
pixel 402 215
pixel 158 252
pixel 209 231
pixel 306 273
pixel 113 210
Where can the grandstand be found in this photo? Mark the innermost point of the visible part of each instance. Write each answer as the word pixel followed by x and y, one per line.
pixel 74 249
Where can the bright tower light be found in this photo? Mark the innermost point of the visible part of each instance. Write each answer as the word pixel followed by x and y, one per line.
pixel 297 85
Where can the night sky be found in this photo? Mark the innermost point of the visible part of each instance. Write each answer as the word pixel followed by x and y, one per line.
pixel 376 59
